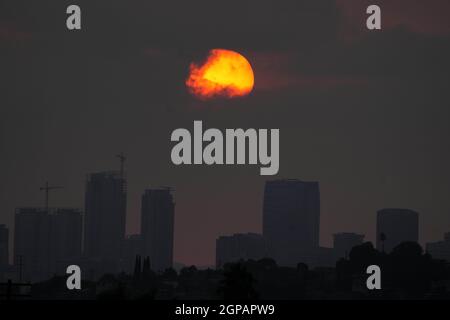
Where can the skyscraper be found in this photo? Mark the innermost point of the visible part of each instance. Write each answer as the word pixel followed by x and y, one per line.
pixel 239 246
pixel 66 235
pixel 105 214
pixel 45 243
pixel 395 226
pixel 157 227
pixel 32 253
pixel 291 219
pixel 4 249
pixel 344 242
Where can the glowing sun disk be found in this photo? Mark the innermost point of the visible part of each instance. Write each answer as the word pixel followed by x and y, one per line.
pixel 225 73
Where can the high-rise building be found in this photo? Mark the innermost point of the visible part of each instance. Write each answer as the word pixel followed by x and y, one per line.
pixel 344 242
pixel 157 227
pixel 440 250
pixel 239 247
pixel 395 226
pixel 32 236
pixel 45 243
pixel 4 249
pixel 105 215
pixel 66 231
pixel 291 219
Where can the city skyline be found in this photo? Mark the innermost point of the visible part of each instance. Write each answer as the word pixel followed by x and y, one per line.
pixel 117 173
pixel 118 176
pixel 364 112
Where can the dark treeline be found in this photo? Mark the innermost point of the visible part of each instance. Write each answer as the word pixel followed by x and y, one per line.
pixel 406 273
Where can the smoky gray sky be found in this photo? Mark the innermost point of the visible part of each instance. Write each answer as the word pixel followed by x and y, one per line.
pixel 365 113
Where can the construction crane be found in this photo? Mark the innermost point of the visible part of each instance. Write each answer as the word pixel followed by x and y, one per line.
pixel 122 159
pixel 48 188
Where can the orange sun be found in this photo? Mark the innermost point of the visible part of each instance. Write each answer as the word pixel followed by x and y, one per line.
pixel 225 73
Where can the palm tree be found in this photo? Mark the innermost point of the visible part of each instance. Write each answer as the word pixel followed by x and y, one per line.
pixel 382 239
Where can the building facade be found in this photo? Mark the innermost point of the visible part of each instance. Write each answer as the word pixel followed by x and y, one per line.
pixel 239 247
pixel 105 218
pixel 4 246
pixel 291 220
pixel 46 242
pixel 395 226
pixel 157 227
pixel 66 232
pixel 132 247
pixel 344 242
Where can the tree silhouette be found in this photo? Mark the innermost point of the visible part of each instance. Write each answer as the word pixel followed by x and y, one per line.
pixel 383 240
pixel 409 270
pixel 363 256
pixel 146 271
pixel 137 269
pixel 344 274
pixel 267 263
pixel 170 274
pixel 238 283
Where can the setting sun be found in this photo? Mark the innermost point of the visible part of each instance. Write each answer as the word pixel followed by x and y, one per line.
pixel 225 73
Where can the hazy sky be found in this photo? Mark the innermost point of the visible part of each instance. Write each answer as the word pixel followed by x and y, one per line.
pixel 364 113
